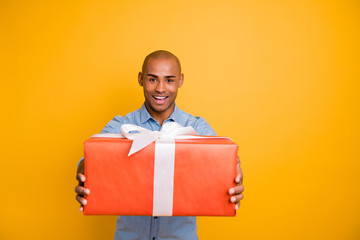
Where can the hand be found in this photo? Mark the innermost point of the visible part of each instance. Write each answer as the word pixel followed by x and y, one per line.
pixel 236 192
pixel 79 189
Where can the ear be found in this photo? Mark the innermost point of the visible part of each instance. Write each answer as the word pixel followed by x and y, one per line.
pixel 181 80
pixel 140 79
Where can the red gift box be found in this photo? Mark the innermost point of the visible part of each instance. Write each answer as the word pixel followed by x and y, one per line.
pixel 204 170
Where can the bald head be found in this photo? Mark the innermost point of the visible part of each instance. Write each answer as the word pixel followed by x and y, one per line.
pixel 160 54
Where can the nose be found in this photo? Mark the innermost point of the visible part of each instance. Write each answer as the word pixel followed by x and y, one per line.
pixel 160 87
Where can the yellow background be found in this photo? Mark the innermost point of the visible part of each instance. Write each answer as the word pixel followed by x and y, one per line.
pixel 279 77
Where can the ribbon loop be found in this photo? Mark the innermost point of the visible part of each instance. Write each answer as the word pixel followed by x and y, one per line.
pixel 143 137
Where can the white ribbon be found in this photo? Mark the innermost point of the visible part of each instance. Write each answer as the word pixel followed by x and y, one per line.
pixel 164 158
pixel 143 137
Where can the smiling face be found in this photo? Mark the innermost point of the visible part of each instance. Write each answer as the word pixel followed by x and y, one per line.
pixel 160 80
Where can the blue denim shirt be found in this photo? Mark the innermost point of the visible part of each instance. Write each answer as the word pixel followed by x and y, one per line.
pixel 148 227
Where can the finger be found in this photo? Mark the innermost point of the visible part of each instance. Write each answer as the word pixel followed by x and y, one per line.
pixel 239 177
pixel 239 171
pixel 82 191
pixel 81 200
pixel 80 177
pixel 237 206
pixel 237 198
pixel 81 209
pixel 236 190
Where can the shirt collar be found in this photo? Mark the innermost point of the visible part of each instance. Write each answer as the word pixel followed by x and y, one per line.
pixel 145 115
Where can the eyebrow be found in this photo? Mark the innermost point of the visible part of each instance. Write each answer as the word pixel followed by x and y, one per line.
pixel 152 75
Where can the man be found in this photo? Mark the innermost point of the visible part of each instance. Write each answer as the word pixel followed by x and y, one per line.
pixel 160 78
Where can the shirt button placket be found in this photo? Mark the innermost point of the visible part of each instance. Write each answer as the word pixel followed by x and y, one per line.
pixel 154 228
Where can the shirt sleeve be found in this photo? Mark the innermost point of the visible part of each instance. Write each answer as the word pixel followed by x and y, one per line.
pixel 203 128
pixel 111 127
pixel 114 125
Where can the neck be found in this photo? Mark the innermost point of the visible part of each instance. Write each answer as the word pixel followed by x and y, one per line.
pixel 160 116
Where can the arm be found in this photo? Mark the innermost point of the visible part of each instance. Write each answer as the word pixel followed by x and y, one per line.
pixel 236 193
pixel 80 191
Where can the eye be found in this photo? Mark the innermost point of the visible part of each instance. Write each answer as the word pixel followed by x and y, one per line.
pixel 152 79
pixel 170 80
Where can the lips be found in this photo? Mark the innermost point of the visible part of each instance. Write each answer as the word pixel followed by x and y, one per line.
pixel 160 99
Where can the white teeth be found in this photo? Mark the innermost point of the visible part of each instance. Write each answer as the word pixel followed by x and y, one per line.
pixel 159 98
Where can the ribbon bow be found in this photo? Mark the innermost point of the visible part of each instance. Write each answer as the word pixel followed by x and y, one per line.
pixel 142 137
